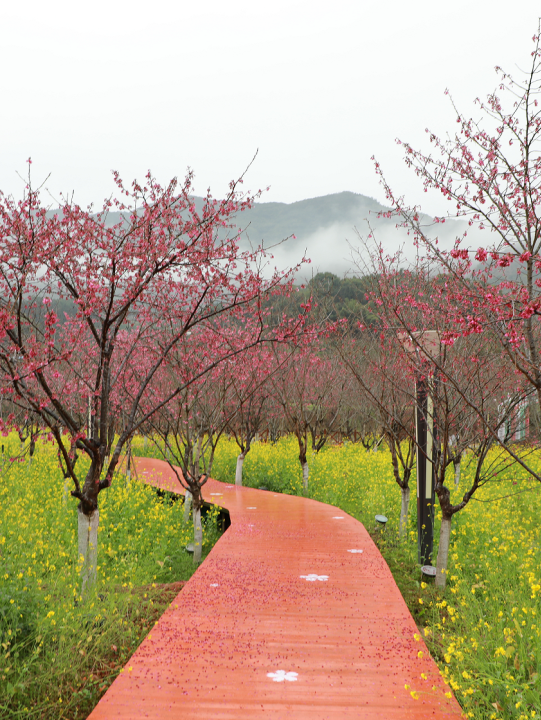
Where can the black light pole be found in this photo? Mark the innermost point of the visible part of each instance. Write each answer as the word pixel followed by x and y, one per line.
pixel 425 471
pixel 419 343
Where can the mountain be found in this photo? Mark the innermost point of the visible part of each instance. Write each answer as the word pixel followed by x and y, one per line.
pixel 336 232
pixel 332 230
pixel 275 221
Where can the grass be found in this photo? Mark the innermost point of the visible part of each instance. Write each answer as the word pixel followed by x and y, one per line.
pixel 484 630
pixel 57 654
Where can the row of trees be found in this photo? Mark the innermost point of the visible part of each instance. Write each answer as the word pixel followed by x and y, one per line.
pixel 355 389
pixel 366 388
pixel 156 302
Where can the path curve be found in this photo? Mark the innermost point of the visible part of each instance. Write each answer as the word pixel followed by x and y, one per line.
pixel 294 614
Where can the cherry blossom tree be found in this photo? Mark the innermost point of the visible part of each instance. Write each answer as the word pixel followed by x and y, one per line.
pixel 385 383
pixel 490 172
pixel 187 428
pixel 231 396
pixel 308 391
pixel 139 274
pixel 249 399
pixel 357 421
pixel 473 390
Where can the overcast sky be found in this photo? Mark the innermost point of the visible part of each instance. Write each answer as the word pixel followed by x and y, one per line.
pixel 315 87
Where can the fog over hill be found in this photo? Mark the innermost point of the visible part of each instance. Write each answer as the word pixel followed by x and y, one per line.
pixel 331 230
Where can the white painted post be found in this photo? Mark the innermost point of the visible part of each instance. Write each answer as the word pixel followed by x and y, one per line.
pixel 238 471
pixel 443 552
pixel 88 549
pixel 187 505
pixel 197 537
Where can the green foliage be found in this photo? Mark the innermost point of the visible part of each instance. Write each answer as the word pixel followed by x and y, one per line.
pixel 342 298
pixel 333 299
pixel 17 608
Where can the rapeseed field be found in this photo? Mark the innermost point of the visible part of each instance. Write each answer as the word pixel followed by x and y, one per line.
pixel 485 629
pixel 58 654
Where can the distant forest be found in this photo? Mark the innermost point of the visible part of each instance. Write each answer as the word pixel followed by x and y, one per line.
pixel 333 299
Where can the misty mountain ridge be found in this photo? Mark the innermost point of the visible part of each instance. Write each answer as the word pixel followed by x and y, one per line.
pixel 275 221
pixel 331 230
pixel 336 232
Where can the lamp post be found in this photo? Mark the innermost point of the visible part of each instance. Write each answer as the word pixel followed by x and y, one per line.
pixel 422 343
pixel 424 430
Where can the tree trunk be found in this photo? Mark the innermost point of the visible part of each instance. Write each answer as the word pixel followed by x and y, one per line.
pixel 210 460
pixel 128 471
pixel 91 489
pixel 197 535
pixel 238 471
pixel 66 493
pixel 443 552
pixel 403 525
pixel 303 446
pixel 457 473
pixel 187 505
pixel 305 472
pixel 88 549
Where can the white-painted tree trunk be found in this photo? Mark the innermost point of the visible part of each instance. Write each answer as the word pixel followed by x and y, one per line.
pixel 88 549
pixel 443 552
pixel 197 537
pixel 187 505
pixel 305 473
pixel 238 471
pixel 457 473
pixel 403 525
pixel 145 440
pixel 65 495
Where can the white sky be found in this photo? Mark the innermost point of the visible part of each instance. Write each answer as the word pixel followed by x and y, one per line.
pixel 317 87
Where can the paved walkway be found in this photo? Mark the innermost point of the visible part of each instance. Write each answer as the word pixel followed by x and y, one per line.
pixel 294 614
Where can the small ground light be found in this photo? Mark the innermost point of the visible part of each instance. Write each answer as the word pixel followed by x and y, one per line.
pixel 429 571
pixel 381 520
pixel 189 548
